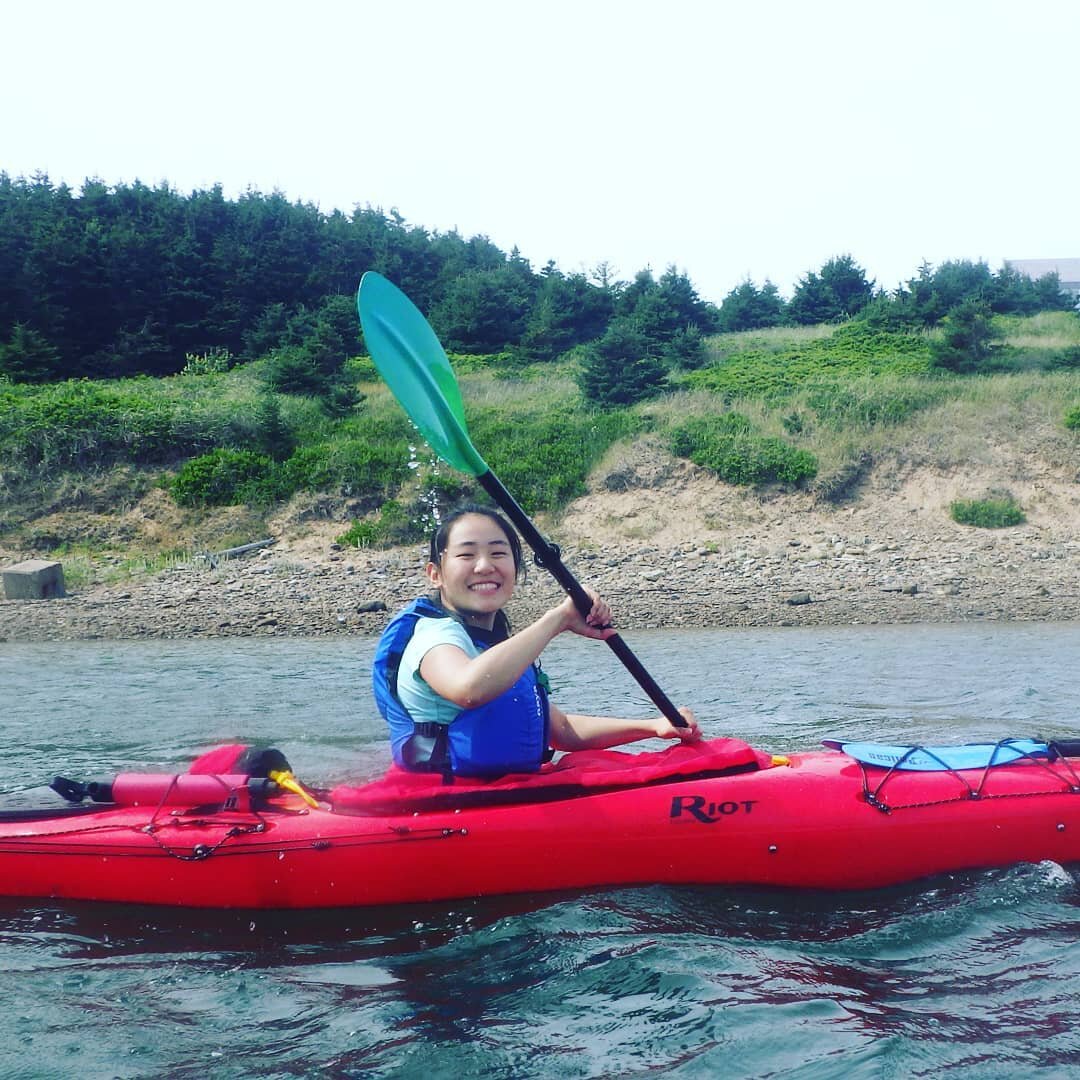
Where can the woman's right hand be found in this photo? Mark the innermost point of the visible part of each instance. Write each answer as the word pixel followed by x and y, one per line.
pixel 597 624
pixel 665 729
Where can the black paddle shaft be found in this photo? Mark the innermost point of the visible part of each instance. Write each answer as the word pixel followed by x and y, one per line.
pixel 548 557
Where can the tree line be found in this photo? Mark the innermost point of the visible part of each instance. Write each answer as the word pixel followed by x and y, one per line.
pixel 129 280
pixel 840 290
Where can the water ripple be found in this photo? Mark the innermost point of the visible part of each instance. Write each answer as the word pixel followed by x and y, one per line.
pixel 972 974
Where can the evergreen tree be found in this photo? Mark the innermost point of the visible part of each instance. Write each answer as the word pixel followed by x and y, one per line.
pixel 683 301
pixel 668 315
pixel 482 311
pixel 838 292
pixel 749 308
pixel 968 339
pixel 568 311
pixel 935 292
pixel 813 302
pixel 621 368
pixel 685 349
pixel 1014 293
pixel 1049 295
pixel 627 296
pixel 848 283
pixel 27 356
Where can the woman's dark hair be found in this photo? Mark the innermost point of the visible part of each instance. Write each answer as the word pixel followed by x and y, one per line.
pixel 441 536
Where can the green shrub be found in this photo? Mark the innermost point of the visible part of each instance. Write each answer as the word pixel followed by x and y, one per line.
pixel 968 339
pixel 466 363
pixel 358 468
pixel 215 361
pixel 393 525
pixel 84 423
pixel 447 489
pixel 360 369
pixel 855 349
pixel 544 459
pixel 697 435
pixel 360 534
pixel 794 423
pixel 990 513
pixel 730 423
pixel 867 403
pixel 726 446
pixel 1072 419
pixel 1068 359
pixel 87 425
pixel 292 370
pixel 224 478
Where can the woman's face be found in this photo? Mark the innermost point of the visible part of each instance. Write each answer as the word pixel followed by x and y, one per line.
pixel 476 574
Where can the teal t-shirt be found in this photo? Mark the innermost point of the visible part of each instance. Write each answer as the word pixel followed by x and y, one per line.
pixel 423 704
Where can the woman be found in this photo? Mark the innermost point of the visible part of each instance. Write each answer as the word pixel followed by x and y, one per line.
pixel 460 693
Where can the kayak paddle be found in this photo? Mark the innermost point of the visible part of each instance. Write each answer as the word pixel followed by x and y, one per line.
pixel 414 365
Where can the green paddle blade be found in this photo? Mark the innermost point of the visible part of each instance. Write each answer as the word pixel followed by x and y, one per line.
pixel 409 357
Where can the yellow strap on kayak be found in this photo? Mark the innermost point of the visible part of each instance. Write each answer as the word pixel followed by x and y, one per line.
pixel 289 782
pixel 780 759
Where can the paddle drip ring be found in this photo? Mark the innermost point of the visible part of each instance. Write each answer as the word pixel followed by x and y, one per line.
pixel 554 553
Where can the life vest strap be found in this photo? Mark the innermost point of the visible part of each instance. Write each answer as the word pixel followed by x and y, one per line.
pixel 428 750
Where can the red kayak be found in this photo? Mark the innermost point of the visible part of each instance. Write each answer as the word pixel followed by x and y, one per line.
pixel 226 835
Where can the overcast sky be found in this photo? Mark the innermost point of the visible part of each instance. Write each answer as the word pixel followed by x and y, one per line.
pixel 751 140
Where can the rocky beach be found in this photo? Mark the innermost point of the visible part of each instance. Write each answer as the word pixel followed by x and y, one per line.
pixel 667 545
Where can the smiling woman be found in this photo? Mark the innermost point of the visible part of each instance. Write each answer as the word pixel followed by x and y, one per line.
pixel 475 574
pixel 462 695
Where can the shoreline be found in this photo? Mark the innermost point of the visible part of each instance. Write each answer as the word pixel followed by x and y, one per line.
pixel 275 592
pixel 665 543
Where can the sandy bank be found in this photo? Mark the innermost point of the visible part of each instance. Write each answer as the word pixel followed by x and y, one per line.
pixel 668 548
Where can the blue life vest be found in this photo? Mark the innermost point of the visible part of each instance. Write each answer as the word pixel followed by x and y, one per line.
pixel 508 734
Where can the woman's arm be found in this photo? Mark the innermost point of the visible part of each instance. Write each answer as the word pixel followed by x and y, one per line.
pixel 573 732
pixel 470 682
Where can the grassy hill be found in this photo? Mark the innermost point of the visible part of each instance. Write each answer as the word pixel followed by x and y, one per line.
pixel 131 473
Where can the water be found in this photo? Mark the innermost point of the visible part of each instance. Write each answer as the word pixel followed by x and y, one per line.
pixel 978 973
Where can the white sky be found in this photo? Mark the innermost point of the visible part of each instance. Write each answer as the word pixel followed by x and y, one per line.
pixel 753 139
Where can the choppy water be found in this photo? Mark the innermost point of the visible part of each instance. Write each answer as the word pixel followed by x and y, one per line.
pixel 976 973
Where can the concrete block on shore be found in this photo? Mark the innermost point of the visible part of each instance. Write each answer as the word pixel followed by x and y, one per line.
pixel 35 579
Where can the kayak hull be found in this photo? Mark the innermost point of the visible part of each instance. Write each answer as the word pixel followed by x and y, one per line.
pixel 808 824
